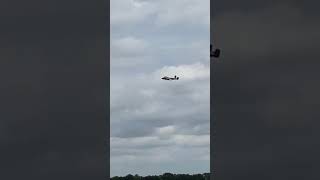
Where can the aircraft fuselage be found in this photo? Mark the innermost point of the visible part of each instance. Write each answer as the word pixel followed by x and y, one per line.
pixel 170 78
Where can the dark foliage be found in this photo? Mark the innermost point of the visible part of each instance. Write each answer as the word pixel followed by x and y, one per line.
pixel 165 176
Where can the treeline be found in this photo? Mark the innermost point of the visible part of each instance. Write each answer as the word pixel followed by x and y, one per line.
pixel 165 176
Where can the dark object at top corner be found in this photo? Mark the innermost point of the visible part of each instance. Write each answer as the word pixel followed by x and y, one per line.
pixel 214 53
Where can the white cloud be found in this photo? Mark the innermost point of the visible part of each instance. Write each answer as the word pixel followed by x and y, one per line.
pixel 156 124
pixel 166 130
pixel 186 72
pixel 162 13
pixel 192 140
pixel 128 47
pixel 190 12
pixel 154 155
pixel 156 141
pixel 146 98
pixel 129 12
pixel 128 51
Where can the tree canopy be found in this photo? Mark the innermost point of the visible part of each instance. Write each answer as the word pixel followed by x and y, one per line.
pixel 165 176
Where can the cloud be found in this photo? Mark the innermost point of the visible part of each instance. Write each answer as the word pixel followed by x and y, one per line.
pixel 188 12
pixel 195 71
pixel 165 131
pixel 128 52
pixel 150 97
pixel 157 114
pixel 155 124
pixel 143 154
pixel 162 13
pixel 129 12
pixel 128 47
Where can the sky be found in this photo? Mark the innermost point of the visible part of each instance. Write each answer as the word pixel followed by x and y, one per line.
pixel 159 126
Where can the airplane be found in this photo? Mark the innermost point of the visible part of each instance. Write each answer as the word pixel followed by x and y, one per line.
pixel 214 53
pixel 169 78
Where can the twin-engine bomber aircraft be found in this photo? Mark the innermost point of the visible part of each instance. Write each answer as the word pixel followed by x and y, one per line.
pixel 169 78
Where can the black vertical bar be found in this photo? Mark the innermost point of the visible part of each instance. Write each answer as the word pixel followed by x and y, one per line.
pixel 54 99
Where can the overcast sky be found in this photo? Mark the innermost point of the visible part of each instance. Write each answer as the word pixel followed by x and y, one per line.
pixel 159 126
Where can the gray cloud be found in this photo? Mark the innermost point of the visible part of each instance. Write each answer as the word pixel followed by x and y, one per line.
pixel 156 124
pixel 153 121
